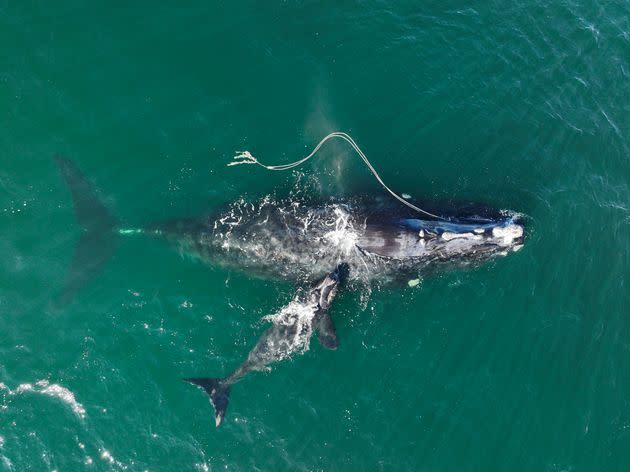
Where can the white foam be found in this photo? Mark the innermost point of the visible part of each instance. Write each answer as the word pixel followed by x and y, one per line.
pixel 64 395
pixel 125 231
pixel 25 387
pixel 107 456
pixel 343 236
pixel 299 315
pixel 52 390
pixel 7 462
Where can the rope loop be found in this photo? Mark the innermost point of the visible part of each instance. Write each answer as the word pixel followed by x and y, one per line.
pixel 245 157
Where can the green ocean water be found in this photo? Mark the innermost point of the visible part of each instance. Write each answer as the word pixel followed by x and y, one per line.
pixel 521 364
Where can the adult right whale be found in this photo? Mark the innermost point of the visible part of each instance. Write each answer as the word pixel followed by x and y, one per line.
pixel 315 244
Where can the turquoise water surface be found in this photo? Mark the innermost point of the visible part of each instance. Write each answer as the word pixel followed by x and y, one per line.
pixel 520 364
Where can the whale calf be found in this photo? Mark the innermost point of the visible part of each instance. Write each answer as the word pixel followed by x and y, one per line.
pixel 318 245
pixel 289 333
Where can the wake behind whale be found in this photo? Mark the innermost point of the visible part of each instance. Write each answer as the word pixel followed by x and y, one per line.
pixel 317 245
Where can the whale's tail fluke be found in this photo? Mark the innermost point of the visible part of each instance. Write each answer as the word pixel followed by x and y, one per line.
pixel 219 392
pixel 98 241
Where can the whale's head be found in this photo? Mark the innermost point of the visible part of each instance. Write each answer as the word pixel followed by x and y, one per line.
pixel 456 240
pixel 466 238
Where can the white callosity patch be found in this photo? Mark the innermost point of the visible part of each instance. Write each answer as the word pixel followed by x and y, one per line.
pixel 507 234
pixel 52 390
pixel 448 236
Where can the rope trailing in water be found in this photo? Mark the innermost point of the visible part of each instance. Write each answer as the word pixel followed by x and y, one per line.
pixel 245 157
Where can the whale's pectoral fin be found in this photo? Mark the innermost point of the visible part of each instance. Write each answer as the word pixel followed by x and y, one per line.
pixel 324 292
pixel 327 333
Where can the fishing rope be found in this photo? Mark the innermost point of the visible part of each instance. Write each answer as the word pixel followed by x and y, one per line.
pixel 245 157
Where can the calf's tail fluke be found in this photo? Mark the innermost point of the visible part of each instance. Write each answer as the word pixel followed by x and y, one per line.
pixel 219 392
pixel 97 241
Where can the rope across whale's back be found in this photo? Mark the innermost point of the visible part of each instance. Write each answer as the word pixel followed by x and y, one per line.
pixel 245 157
